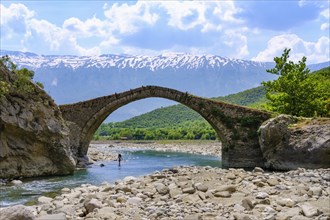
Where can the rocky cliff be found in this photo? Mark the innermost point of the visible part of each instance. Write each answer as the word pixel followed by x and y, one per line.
pixel 289 142
pixel 34 139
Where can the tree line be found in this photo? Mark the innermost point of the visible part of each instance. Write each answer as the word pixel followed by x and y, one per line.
pixel 189 130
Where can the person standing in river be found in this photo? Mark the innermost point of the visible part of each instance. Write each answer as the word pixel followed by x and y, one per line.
pixel 119 159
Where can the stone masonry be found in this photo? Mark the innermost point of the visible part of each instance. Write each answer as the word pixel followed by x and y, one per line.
pixel 235 125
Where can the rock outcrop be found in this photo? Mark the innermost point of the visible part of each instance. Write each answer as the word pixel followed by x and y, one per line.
pixel 34 138
pixel 289 142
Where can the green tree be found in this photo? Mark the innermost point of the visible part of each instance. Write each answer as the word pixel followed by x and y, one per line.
pixel 4 87
pixel 22 78
pixel 290 93
pixel 320 98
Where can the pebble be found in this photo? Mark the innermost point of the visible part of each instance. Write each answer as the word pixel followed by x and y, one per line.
pixel 17 182
pixel 262 195
pixel 285 202
pixel 247 204
pixel 189 190
pixel 224 194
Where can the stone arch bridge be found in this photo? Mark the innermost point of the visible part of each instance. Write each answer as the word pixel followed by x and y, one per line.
pixel 235 125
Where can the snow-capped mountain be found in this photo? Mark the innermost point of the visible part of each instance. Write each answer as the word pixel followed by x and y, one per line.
pixel 153 63
pixel 70 79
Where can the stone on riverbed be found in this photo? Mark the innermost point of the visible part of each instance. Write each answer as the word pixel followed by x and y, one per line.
pixel 59 216
pixel 17 212
pixel 229 188
pixel 92 204
pixel 16 182
pixel 309 210
pixel 162 189
pixel 44 200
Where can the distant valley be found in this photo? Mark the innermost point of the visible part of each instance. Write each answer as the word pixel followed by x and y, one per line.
pixel 70 79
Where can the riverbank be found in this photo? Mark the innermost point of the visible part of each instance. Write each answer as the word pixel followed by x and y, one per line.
pixel 193 193
pixel 101 150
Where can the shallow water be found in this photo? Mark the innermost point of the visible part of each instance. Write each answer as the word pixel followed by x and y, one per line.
pixel 135 163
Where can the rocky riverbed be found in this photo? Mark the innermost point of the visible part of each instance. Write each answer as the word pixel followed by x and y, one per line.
pixel 192 193
pixel 101 150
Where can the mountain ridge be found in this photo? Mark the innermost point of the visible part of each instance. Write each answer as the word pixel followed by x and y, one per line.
pixel 154 63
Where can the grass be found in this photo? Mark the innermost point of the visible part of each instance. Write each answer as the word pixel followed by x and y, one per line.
pixel 302 122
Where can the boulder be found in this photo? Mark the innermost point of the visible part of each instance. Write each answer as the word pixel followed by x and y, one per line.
pixel 289 142
pixel 17 212
pixel 34 138
pixel 162 189
pixel 309 210
pixel 59 216
pixel 92 204
pixel 44 200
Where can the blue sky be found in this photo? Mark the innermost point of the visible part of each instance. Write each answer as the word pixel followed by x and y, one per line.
pixel 251 30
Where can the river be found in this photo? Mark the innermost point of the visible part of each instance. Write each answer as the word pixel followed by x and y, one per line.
pixel 136 163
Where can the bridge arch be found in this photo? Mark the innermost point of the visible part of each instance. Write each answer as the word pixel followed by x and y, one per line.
pixel 235 125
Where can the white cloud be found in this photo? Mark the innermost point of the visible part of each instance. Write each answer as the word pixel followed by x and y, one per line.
pixel 54 82
pixel 18 20
pixel 237 42
pixel 128 18
pixel 109 42
pixel 315 52
pixel 58 39
pixel 49 32
pixel 186 15
pixel 179 11
pixel 325 26
pixel 215 18
pixel 226 11
pixel 206 27
pixel 122 20
pixel 13 20
pixel 88 28
pixel 14 12
pixel 325 14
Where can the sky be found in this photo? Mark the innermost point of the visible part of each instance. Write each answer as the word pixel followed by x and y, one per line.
pixel 245 29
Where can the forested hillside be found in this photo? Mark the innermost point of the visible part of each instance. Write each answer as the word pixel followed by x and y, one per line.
pixel 174 122
pixel 252 97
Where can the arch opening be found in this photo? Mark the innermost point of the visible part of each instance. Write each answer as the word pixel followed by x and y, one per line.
pixel 174 122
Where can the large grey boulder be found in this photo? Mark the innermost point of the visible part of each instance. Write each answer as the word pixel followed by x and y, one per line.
pixel 17 212
pixel 289 142
pixel 34 138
